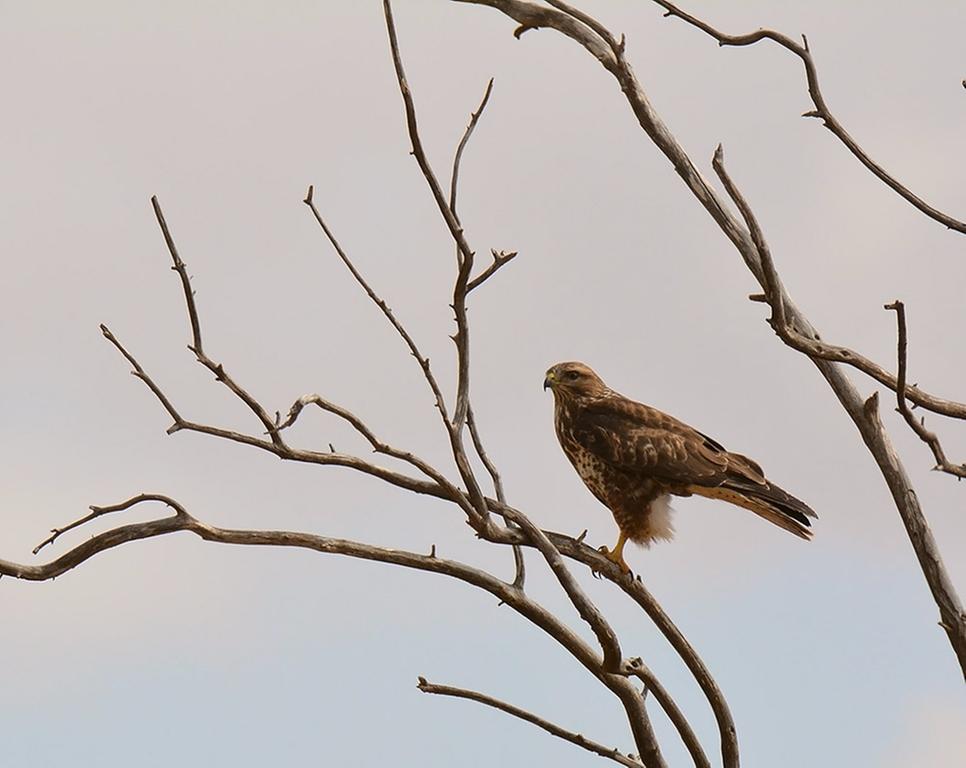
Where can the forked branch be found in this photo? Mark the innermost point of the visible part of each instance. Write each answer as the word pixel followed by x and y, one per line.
pixel 953 620
pixel 918 425
pixel 821 110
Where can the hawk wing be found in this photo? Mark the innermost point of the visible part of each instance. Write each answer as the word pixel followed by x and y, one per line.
pixel 638 438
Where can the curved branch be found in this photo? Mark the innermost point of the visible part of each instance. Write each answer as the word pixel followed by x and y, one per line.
pixel 181 520
pixel 640 670
pixel 464 140
pixel 821 110
pixel 635 589
pixel 611 753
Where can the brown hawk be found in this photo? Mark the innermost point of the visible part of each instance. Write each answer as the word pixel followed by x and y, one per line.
pixel 633 458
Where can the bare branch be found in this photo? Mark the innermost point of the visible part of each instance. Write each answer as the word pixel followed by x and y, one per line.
pixel 773 287
pixel 360 426
pixel 591 23
pixel 462 277
pixel 97 512
pixel 555 730
pixel 864 415
pixel 587 610
pixel 918 425
pixel 821 110
pixel 499 259
pixel 196 340
pixel 446 492
pixel 462 337
pixel 809 343
pixel 149 382
pixel 384 308
pixel 506 593
pixel 952 617
pixel 635 589
pixel 520 571
pixel 640 670
pixel 449 216
pixel 454 179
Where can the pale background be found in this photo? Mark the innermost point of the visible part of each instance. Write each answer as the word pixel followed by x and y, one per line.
pixel 179 652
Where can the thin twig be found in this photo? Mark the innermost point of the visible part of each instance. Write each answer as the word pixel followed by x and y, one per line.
pixel 821 110
pixel 462 277
pixel 499 259
pixel 773 287
pixel 456 230
pixel 384 308
pixel 462 337
pixel 363 429
pixel 97 512
pixel 196 345
pixel 918 425
pixel 464 139
pixel 610 753
pixel 520 572
pixel 285 452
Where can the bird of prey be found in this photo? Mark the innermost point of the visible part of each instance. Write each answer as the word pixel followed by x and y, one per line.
pixel 633 458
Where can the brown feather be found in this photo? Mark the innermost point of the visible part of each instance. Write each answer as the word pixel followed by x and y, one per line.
pixel 631 456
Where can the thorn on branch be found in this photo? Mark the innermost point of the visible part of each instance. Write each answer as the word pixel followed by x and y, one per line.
pixel 309 195
pixel 518 32
pixel 759 297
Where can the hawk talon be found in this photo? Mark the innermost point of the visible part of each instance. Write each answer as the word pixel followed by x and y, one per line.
pixel 616 557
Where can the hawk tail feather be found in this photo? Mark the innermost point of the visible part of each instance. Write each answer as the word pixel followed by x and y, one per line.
pixel 767 501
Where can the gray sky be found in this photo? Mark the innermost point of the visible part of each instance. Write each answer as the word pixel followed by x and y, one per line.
pixel 177 651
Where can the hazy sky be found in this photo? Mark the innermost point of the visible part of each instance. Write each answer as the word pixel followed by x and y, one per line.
pixel 175 651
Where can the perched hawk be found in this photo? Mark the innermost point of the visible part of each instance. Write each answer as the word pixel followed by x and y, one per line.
pixel 633 458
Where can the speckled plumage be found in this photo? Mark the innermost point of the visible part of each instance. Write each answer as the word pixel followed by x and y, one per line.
pixel 633 457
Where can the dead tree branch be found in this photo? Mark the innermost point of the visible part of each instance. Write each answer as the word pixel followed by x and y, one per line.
pixel 506 593
pixel 384 308
pixel 640 670
pixel 462 337
pixel 865 415
pixel 952 617
pixel 576 550
pixel 918 425
pixel 611 753
pixel 196 345
pixel 821 110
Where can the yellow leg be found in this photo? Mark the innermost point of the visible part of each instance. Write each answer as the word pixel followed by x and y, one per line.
pixel 616 555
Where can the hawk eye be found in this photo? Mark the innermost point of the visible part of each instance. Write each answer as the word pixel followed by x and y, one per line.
pixel 572 375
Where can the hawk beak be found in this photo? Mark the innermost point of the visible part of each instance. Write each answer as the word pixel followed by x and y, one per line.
pixel 548 382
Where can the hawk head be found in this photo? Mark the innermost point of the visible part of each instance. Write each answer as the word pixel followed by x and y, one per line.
pixel 573 380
